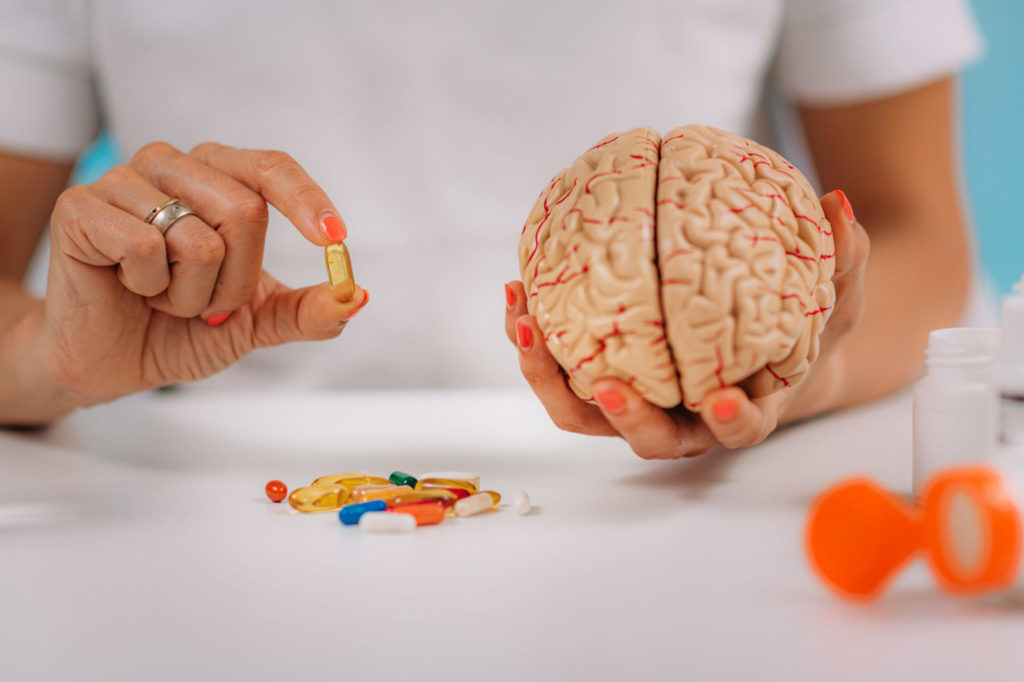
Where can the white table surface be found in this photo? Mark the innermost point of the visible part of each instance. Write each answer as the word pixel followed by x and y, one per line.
pixel 136 543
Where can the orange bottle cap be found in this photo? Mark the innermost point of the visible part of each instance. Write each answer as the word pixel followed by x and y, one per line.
pixel 972 529
pixel 858 535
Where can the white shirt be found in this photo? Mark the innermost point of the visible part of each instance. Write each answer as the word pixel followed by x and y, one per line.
pixel 433 126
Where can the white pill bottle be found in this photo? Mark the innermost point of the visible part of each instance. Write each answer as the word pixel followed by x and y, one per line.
pixel 956 405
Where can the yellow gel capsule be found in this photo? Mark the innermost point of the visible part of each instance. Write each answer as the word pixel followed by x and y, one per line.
pixel 318 498
pixel 353 483
pixel 466 476
pixel 339 272
pixel 365 493
pixel 443 496
pixel 336 479
pixel 427 483
pixel 494 496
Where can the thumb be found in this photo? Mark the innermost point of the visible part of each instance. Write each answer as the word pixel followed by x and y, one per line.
pixel 306 314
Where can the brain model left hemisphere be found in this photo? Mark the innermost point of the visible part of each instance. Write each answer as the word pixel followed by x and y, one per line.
pixel 679 265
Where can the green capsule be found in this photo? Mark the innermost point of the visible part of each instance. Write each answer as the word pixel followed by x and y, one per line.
pixel 402 478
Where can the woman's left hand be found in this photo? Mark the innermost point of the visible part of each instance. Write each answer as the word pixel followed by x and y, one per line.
pixel 727 416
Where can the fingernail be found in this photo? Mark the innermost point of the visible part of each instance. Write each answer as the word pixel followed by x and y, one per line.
pixel 510 297
pixel 218 319
pixel 847 209
pixel 611 400
pixel 333 228
pixel 725 409
pixel 525 335
pixel 352 313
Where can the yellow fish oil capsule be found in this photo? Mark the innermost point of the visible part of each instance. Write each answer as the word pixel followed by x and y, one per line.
pixel 365 493
pixel 339 272
pixel 475 504
pixel 466 476
pixel 428 483
pixel 446 498
pixel 332 479
pixel 318 498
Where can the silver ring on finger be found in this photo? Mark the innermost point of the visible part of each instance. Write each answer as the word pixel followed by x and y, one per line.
pixel 168 213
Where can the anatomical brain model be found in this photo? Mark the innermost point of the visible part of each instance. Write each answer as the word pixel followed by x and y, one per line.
pixel 680 265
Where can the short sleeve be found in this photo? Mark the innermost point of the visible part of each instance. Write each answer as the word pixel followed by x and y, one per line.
pixel 50 108
pixel 836 51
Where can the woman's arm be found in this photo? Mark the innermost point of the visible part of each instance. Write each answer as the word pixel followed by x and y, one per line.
pixel 896 159
pixel 28 190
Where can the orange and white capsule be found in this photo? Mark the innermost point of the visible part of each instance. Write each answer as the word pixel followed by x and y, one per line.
pixel 387 522
pixel 339 272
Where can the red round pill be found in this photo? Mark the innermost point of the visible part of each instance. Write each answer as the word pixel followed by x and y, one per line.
pixel 277 491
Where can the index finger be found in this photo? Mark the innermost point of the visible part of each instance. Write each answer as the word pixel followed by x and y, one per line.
pixel 279 179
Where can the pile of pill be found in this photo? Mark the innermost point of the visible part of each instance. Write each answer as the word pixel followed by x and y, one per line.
pixel 397 503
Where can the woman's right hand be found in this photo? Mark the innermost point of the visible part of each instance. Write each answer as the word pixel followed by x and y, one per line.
pixel 128 308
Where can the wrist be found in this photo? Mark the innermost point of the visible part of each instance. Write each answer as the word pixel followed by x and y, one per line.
pixel 31 393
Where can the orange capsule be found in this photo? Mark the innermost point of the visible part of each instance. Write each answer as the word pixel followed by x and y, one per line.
pixel 425 483
pixel 447 499
pixel 426 514
pixel 365 493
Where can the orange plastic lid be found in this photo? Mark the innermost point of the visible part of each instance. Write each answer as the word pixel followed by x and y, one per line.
pixel 972 529
pixel 859 535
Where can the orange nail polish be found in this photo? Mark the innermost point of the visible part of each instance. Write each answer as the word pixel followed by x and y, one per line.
pixel 525 335
pixel 218 319
pixel 847 209
pixel 725 409
pixel 611 400
pixel 333 228
pixel 510 297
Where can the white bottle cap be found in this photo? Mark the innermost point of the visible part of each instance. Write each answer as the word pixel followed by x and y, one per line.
pixel 959 341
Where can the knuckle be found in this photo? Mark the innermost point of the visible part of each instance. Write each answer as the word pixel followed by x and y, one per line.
pixel 119 175
pixel 567 423
pixel 252 209
pixel 203 148
pixel 205 247
pixel 308 192
pixel 532 375
pixel 67 211
pixel 271 161
pixel 148 245
pixel 153 153
pixel 644 451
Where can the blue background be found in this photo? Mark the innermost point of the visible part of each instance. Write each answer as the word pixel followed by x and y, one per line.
pixel 993 92
pixel 993 102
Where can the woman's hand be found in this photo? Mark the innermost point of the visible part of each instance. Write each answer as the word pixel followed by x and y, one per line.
pixel 128 308
pixel 727 416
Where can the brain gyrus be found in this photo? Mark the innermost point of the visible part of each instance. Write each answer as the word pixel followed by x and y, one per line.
pixel 679 265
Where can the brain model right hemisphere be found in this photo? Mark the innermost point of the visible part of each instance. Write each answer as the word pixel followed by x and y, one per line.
pixel 679 265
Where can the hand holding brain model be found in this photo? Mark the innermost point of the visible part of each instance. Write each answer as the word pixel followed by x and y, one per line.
pixel 698 271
